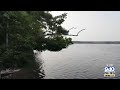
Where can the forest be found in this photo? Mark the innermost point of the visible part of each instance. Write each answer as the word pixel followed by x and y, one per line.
pixel 21 32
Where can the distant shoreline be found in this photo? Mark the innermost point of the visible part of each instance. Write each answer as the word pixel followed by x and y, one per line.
pixel 96 42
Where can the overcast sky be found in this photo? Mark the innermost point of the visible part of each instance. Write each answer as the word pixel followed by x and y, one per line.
pixel 100 25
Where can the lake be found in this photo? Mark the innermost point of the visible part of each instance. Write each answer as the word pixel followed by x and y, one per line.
pixel 81 61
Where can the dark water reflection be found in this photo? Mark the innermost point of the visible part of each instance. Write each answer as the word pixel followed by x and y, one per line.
pixel 40 65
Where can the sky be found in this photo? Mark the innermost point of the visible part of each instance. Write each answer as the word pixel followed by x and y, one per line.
pixel 100 25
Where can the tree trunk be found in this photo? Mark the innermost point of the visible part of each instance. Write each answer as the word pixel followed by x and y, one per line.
pixel 7 37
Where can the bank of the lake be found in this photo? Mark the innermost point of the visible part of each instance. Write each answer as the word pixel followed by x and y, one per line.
pixel 34 71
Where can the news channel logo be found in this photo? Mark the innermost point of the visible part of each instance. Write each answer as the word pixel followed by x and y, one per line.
pixel 109 70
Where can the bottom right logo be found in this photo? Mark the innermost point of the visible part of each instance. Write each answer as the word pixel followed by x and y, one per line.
pixel 109 70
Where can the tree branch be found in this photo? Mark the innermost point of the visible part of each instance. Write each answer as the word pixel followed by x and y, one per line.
pixel 68 31
pixel 77 33
pixel 71 28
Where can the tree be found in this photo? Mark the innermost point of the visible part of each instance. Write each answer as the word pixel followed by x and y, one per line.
pixel 21 32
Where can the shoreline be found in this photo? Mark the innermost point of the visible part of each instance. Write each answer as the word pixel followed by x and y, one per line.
pixel 23 73
pixel 96 42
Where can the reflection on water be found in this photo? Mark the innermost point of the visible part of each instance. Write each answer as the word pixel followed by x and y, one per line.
pixel 39 65
pixel 81 61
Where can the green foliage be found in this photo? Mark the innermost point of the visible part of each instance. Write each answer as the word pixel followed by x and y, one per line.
pixel 28 31
pixel 13 58
pixel 57 43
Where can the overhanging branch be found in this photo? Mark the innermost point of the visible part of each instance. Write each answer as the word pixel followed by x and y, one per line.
pixel 77 33
pixel 51 34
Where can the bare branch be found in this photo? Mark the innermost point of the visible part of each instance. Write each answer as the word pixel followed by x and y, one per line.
pixel 68 31
pixel 77 33
pixel 71 28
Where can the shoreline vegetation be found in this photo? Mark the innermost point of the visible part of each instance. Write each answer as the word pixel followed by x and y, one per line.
pixel 21 32
pixel 34 71
pixel 96 42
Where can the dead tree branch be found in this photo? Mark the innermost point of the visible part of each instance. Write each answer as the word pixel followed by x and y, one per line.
pixel 77 33
pixel 51 33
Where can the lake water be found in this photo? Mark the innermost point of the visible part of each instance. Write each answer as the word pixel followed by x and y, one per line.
pixel 81 61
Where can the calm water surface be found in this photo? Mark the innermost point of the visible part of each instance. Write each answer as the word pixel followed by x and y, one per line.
pixel 81 61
